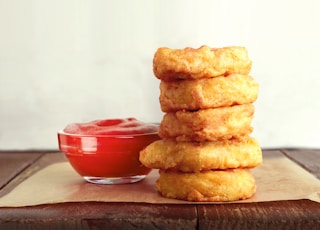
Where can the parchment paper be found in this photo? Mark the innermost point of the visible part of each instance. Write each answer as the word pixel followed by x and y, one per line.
pixel 277 178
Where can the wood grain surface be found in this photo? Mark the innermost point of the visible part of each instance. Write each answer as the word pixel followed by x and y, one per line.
pixel 15 167
pixel 13 163
pixel 309 159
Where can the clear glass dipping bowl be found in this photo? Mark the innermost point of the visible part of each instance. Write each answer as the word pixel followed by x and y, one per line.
pixel 107 159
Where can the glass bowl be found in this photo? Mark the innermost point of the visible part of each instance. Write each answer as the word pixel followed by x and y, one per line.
pixel 107 159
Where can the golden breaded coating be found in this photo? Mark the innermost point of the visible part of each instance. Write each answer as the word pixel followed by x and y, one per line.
pixel 235 89
pixel 216 124
pixel 189 63
pixel 211 186
pixel 198 156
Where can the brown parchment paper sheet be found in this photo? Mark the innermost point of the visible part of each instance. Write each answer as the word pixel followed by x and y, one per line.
pixel 277 178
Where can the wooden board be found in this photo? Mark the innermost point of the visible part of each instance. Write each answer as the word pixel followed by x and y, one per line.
pixel 15 167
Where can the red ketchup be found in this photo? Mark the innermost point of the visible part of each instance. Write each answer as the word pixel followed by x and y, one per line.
pixel 107 148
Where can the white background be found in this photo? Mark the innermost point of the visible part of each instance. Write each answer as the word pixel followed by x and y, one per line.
pixel 67 61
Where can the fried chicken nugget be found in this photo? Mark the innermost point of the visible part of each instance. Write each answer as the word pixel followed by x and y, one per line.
pixel 198 156
pixel 208 93
pixel 216 124
pixel 211 186
pixel 189 63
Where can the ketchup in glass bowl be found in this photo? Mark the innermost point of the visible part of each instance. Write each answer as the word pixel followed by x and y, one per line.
pixel 107 151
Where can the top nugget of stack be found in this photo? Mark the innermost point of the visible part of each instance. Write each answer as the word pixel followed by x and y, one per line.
pixel 204 62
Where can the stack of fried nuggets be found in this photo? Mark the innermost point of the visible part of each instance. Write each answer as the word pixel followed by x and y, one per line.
pixel 206 152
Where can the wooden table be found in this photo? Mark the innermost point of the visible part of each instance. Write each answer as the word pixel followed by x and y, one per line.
pixel 17 166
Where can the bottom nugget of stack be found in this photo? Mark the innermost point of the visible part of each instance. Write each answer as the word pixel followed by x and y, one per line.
pixel 204 171
pixel 211 185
